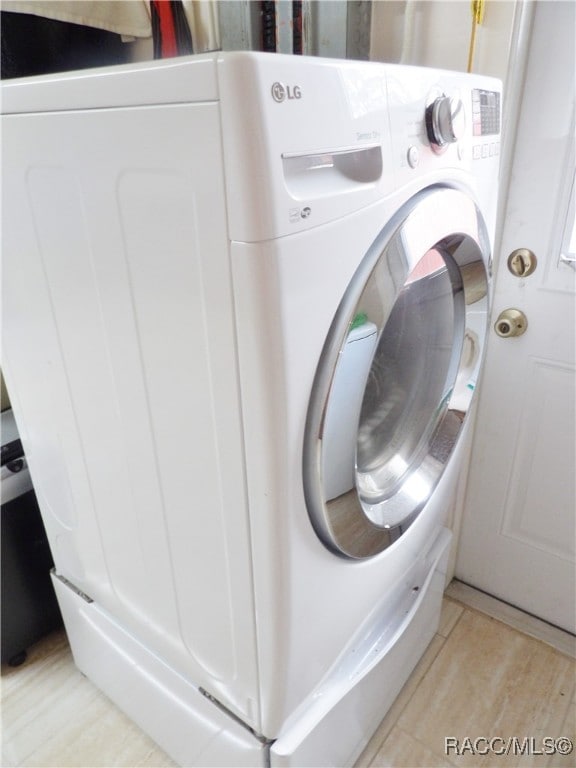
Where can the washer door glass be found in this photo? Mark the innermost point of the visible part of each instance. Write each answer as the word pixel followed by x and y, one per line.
pixel 397 374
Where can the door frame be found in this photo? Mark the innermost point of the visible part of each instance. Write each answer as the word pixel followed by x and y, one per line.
pixel 512 93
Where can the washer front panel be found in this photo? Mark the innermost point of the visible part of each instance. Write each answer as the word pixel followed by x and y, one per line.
pixel 397 374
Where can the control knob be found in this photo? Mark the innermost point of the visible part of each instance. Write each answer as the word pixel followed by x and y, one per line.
pixel 445 122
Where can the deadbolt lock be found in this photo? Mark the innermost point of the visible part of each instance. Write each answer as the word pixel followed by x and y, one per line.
pixel 522 262
pixel 511 322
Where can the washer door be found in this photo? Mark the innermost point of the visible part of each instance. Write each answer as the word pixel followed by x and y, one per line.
pixel 397 374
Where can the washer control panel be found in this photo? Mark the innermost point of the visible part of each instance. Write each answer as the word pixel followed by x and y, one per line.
pixel 442 120
pixel 485 112
pixel 485 123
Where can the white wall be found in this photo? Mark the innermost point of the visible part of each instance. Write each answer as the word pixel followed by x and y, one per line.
pixel 436 33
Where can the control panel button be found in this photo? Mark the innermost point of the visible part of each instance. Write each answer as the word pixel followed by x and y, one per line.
pixel 413 156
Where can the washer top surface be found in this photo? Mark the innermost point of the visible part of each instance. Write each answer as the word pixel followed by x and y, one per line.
pixel 305 140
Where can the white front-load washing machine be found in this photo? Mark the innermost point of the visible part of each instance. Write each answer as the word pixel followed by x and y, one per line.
pixel 245 304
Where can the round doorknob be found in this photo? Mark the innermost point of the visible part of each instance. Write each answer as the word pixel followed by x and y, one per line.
pixel 511 322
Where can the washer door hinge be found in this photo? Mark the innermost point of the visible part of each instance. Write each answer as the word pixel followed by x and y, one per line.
pixel 262 739
pixel 71 586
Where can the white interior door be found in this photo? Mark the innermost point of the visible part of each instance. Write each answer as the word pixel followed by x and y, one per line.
pixel 518 534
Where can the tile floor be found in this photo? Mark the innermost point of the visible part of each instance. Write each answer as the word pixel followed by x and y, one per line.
pixel 479 678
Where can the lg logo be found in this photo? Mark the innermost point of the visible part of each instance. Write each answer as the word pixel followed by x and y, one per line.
pixel 281 92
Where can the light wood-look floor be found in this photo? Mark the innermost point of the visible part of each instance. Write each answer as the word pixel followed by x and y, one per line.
pixel 478 678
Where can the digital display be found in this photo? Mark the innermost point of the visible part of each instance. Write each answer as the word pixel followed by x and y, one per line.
pixel 485 112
